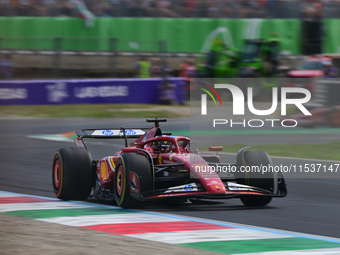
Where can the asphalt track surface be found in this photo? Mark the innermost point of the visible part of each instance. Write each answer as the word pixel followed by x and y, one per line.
pixel 312 205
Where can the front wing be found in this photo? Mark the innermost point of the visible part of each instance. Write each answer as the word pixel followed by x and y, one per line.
pixel 196 190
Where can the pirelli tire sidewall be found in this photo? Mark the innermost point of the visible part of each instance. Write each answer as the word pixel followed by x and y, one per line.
pixel 72 174
pixel 138 164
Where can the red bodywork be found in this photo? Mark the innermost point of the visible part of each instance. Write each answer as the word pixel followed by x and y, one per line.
pixel 173 157
pixel 192 162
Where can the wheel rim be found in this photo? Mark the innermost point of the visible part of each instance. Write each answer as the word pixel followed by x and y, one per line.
pixel 57 174
pixel 120 181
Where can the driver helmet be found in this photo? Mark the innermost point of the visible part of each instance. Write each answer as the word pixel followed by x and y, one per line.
pixel 162 146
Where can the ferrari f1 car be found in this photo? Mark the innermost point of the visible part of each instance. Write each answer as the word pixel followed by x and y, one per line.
pixel 160 166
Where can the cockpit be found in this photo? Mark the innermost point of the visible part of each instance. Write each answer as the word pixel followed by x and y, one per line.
pixel 162 146
pixel 170 145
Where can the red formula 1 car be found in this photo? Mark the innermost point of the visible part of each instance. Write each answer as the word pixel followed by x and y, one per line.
pixel 159 166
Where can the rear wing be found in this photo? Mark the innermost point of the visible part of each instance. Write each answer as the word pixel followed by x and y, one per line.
pixel 112 133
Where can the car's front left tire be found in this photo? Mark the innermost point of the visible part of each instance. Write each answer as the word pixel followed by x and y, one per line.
pixel 262 180
pixel 126 164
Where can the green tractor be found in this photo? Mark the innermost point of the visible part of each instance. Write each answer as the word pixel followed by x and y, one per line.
pixel 259 58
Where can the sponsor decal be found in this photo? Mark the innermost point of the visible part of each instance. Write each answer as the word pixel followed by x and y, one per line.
pixel 101 91
pixel 9 93
pixel 57 92
pixel 233 186
pixel 182 188
pixel 116 132
pixel 107 132
pixel 188 187
pixel 237 187
pixel 130 132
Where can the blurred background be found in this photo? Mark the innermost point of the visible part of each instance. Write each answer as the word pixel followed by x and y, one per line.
pixel 118 60
pixel 166 41
pixel 110 38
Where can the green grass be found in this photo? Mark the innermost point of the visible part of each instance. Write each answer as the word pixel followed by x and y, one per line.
pixel 326 151
pixel 96 111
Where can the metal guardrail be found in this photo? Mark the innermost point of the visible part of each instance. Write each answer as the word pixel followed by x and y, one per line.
pixel 15 46
pixel 110 63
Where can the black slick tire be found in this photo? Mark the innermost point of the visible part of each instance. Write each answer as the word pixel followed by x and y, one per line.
pixel 72 174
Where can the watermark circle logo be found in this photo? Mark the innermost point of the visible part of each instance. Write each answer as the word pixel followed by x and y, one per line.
pixel 188 187
pixel 130 132
pixel 107 132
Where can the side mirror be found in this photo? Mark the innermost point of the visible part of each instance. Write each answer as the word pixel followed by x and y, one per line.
pixel 215 148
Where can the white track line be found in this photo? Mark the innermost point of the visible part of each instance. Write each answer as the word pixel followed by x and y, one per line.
pixel 231 234
pixel 79 221
pixel 41 206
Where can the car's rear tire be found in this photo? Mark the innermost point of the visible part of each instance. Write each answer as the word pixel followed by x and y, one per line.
pixel 260 180
pixel 72 174
pixel 138 164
